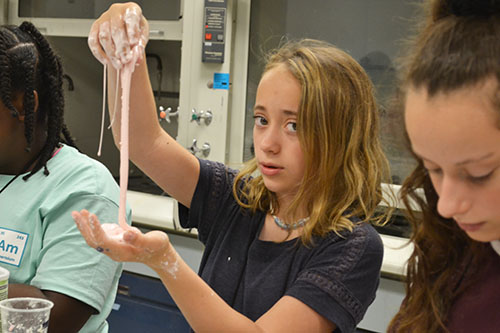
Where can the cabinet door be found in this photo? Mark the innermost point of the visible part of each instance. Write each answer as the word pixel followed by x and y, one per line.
pixel 144 305
pixel 138 315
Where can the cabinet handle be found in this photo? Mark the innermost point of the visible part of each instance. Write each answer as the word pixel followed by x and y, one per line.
pixel 123 290
pixel 156 33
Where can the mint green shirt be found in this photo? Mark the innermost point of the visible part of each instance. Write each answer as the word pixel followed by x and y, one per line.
pixel 39 242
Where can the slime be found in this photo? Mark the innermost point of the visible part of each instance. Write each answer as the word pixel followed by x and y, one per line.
pixel 126 51
pixel 125 76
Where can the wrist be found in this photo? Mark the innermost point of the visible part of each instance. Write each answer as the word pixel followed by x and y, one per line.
pixel 167 261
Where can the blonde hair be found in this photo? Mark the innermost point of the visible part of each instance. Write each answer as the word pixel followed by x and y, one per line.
pixel 338 128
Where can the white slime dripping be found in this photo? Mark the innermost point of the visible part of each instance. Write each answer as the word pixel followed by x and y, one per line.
pixel 128 58
pixel 125 75
pixel 128 49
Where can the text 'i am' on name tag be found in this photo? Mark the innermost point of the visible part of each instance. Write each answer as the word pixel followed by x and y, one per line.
pixel 12 246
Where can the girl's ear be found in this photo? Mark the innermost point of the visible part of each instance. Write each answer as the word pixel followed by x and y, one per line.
pixel 17 101
pixel 35 97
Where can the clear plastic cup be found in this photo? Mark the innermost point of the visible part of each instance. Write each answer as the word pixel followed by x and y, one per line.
pixel 4 283
pixel 25 314
pixel 4 286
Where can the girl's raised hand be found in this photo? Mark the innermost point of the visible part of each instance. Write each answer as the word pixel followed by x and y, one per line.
pixel 153 248
pixel 117 32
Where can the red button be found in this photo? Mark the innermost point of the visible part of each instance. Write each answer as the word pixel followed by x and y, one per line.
pixel 208 36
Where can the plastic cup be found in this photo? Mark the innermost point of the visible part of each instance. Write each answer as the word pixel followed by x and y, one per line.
pixel 25 314
pixel 4 286
pixel 4 283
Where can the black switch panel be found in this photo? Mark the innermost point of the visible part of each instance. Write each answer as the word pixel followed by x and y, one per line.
pixel 214 31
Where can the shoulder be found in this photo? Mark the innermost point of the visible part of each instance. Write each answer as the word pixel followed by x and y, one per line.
pixel 366 236
pixel 340 254
pixel 70 159
pixel 77 172
pixel 361 239
pixel 216 176
pixel 344 269
pixel 219 171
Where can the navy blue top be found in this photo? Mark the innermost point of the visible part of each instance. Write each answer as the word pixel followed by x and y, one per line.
pixel 337 277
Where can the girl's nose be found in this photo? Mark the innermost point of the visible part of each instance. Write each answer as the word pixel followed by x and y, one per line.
pixel 270 141
pixel 454 198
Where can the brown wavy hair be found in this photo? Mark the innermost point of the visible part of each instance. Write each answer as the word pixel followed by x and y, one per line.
pixel 458 47
pixel 338 130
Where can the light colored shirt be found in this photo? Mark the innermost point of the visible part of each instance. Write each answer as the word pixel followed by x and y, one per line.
pixel 39 242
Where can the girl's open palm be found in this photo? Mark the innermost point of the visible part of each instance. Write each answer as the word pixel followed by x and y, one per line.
pixel 122 244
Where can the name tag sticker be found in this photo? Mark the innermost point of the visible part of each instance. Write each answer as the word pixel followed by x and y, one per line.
pixel 12 246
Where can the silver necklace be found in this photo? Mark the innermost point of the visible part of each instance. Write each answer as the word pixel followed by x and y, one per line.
pixel 287 227
pixel 283 225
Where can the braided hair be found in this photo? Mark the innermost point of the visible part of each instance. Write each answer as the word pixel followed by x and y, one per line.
pixel 28 64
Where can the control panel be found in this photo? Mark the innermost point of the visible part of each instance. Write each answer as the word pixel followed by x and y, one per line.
pixel 214 31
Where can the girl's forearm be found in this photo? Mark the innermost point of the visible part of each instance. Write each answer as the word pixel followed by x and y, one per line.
pixel 198 302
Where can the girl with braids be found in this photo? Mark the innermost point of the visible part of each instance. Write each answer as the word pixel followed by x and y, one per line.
pixel 42 179
pixel 452 116
pixel 288 244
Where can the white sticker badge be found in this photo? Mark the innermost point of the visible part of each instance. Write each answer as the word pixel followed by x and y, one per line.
pixel 12 246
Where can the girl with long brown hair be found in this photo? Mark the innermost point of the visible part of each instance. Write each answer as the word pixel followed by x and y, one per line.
pixel 452 116
pixel 288 244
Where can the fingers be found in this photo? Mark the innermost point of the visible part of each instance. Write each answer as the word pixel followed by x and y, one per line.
pixel 143 39
pixel 121 42
pixel 137 29
pixel 95 47
pixel 83 224
pixel 106 41
pixel 101 44
pixel 91 229
pixel 118 32
pixel 132 19
pixel 98 232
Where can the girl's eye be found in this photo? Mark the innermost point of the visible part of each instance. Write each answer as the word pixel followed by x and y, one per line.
pixel 436 171
pixel 292 126
pixel 260 121
pixel 480 179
